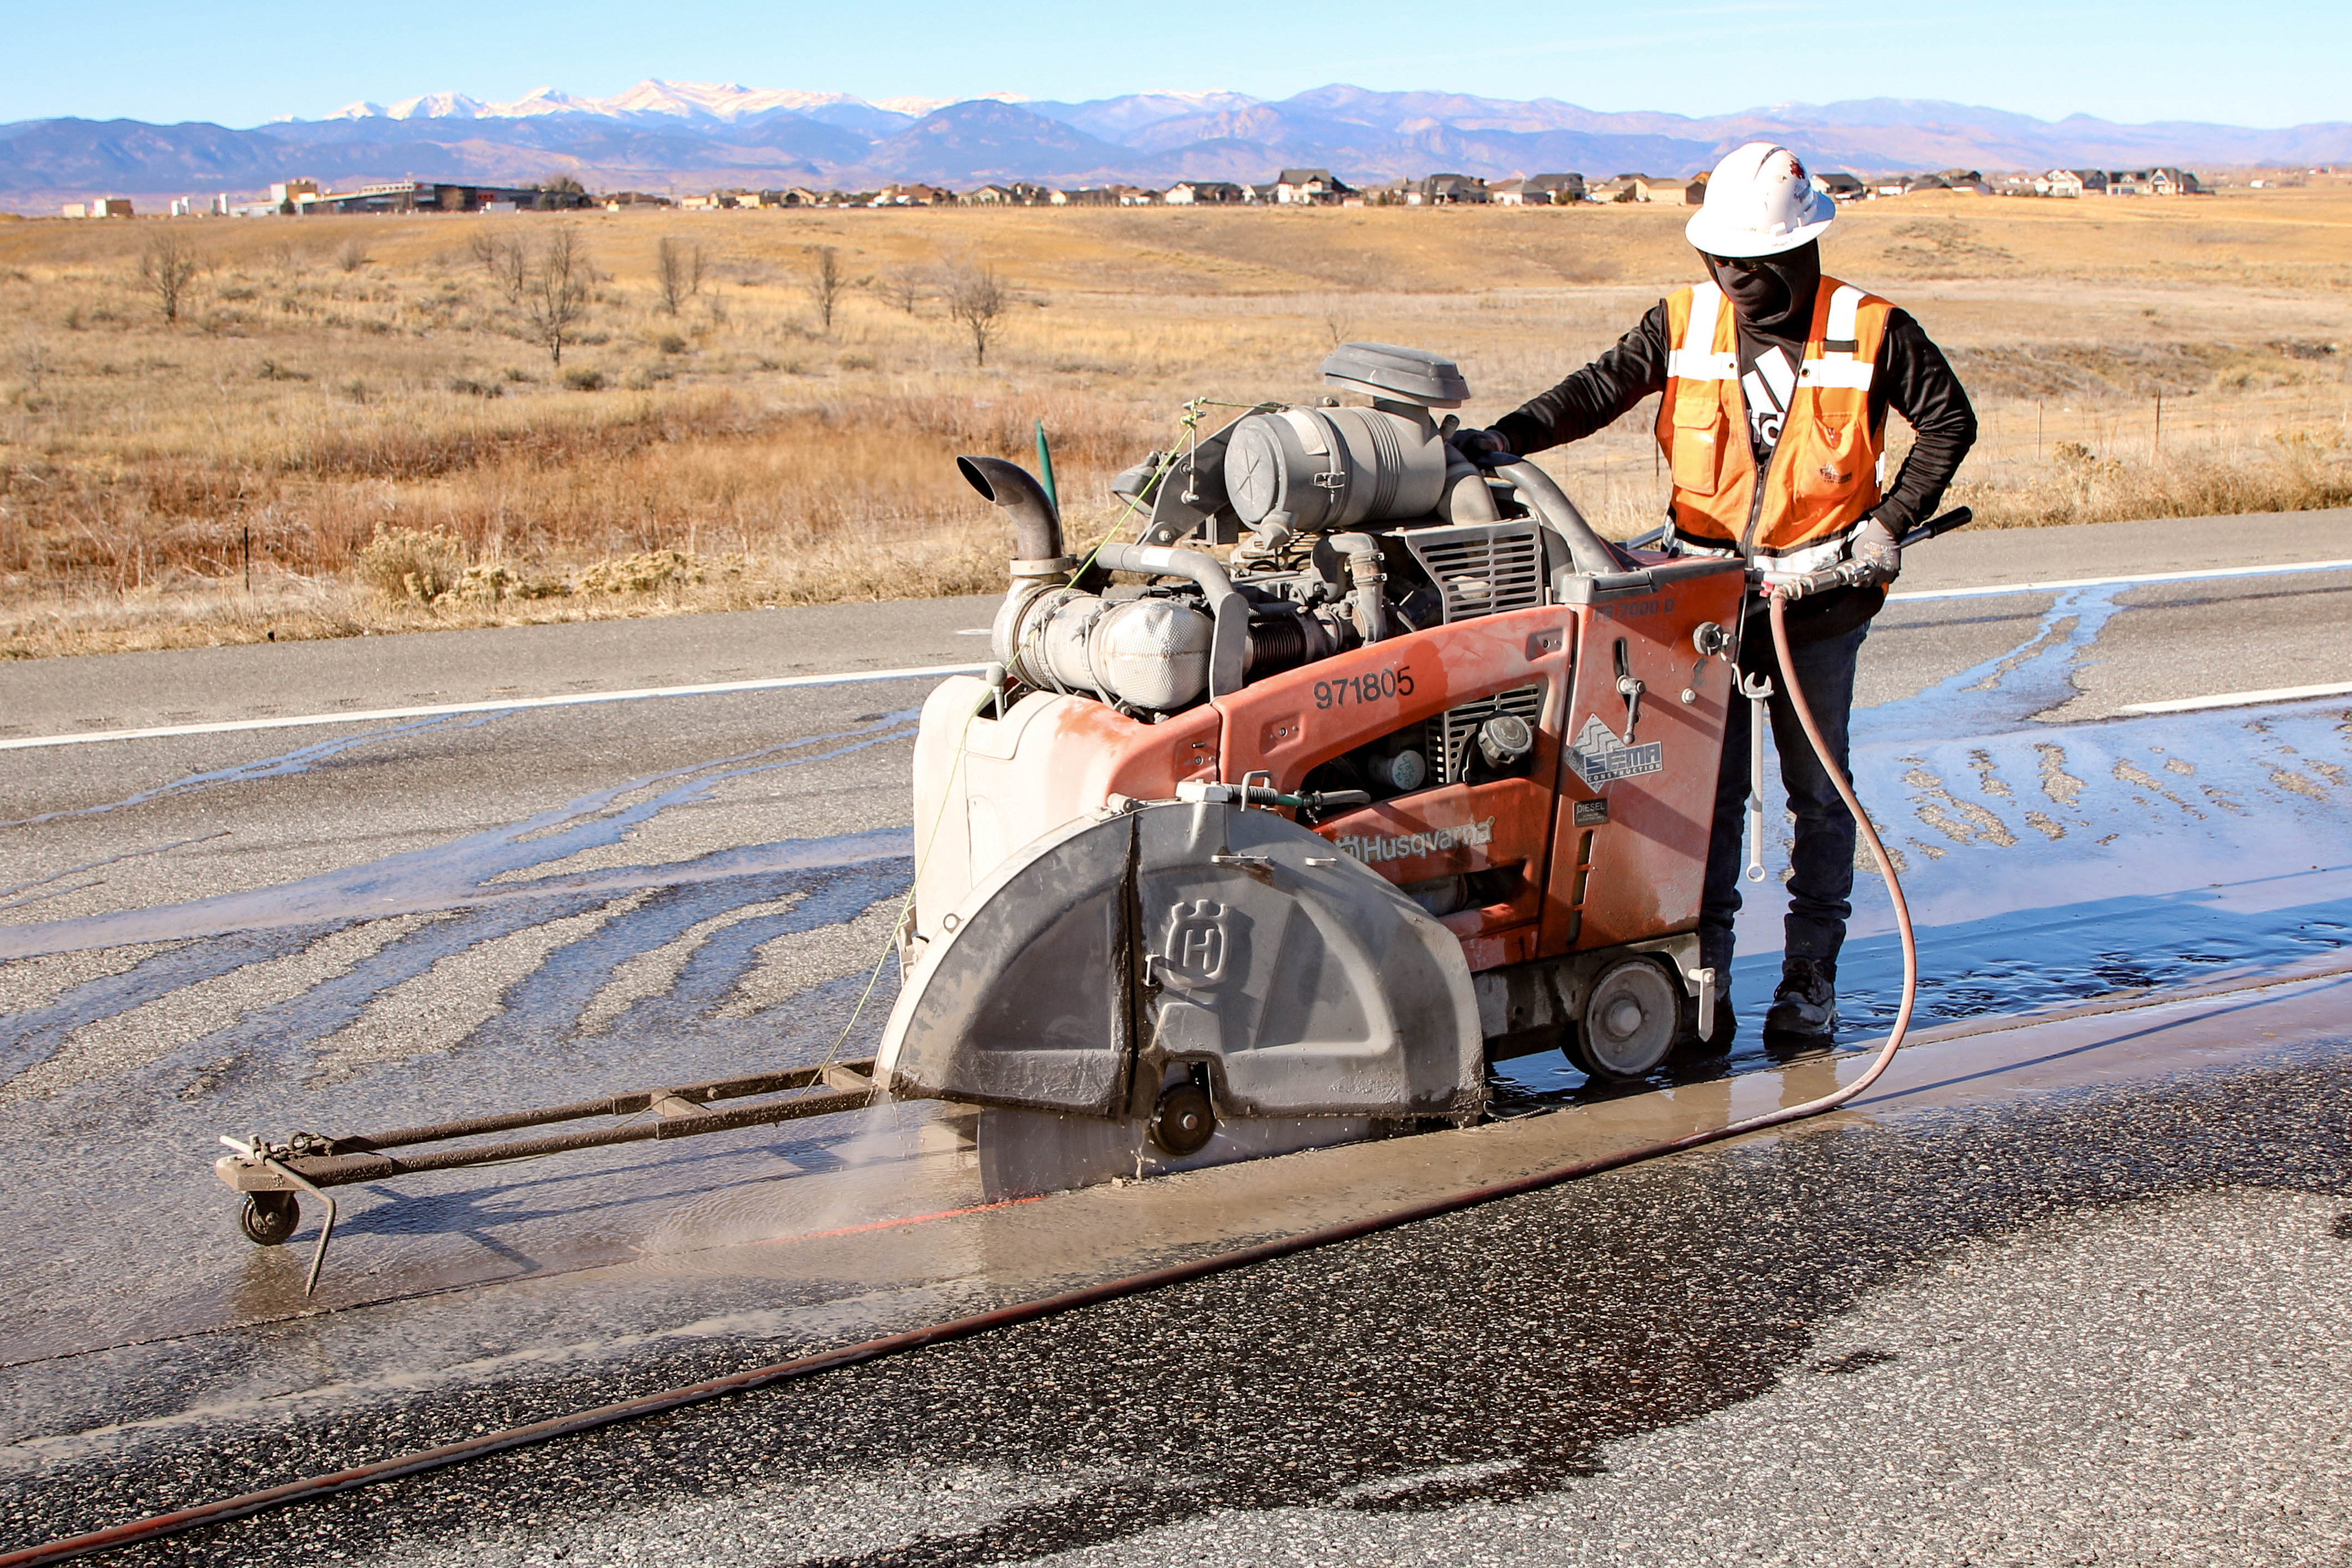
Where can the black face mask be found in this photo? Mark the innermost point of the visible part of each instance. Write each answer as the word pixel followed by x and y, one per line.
pixel 1773 294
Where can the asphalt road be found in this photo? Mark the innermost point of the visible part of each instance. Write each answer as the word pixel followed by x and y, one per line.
pixel 2004 1306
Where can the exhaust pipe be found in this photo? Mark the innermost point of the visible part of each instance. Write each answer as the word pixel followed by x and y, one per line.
pixel 1036 523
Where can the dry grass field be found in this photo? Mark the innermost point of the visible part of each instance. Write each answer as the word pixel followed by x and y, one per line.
pixel 358 424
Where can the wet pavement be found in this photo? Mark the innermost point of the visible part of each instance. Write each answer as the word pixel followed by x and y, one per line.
pixel 398 922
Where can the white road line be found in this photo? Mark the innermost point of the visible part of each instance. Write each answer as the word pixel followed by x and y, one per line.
pixel 571 699
pixel 2057 583
pixel 934 671
pixel 2241 699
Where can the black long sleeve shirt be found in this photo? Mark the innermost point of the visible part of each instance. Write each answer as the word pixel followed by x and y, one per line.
pixel 1912 377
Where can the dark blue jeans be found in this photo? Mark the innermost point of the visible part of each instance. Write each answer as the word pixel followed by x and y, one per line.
pixel 1820 883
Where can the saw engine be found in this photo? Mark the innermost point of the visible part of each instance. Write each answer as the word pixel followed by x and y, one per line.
pixel 1358 769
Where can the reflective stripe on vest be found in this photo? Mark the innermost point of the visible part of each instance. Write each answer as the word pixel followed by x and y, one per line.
pixel 1823 478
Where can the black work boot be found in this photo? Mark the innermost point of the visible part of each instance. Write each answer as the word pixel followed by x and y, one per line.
pixel 1804 1009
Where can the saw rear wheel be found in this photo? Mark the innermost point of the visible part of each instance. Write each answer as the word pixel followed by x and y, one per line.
pixel 1631 1019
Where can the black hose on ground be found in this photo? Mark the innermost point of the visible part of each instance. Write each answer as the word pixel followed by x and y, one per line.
pixel 448 1454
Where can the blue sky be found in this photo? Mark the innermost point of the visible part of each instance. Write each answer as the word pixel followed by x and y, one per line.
pixel 2257 62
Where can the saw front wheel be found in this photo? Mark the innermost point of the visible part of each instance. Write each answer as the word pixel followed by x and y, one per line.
pixel 268 1218
pixel 1629 1023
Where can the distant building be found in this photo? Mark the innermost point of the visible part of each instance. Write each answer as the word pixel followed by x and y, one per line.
pixel 898 196
pixel 1137 196
pixel 615 201
pixel 98 207
pixel 1695 190
pixel 1085 196
pixel 1261 195
pixel 304 196
pixel 1201 193
pixel 1445 191
pixel 1840 187
pixel 1628 188
pixel 1310 187
pixel 1559 190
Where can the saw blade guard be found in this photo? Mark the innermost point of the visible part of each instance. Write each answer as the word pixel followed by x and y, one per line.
pixel 1190 934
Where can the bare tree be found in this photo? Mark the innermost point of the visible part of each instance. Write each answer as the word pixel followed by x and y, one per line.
pixel 353 256
pixel 900 287
pixel 559 192
pixel 976 299
pixel 167 268
pixel 505 258
pixel 826 282
pixel 678 272
pixel 556 300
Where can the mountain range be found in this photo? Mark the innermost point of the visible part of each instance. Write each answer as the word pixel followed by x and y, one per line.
pixel 688 135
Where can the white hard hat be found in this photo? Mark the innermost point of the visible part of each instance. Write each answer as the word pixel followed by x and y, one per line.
pixel 1760 202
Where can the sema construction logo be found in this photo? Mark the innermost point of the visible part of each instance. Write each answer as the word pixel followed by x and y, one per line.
pixel 1409 846
pixel 1599 758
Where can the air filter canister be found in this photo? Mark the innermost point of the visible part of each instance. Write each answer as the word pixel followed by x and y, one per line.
pixel 1312 470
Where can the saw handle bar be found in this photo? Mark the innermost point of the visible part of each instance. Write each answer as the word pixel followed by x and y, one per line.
pixel 1259 795
pixel 1847 574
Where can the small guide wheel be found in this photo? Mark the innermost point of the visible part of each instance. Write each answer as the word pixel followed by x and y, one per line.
pixel 1629 1021
pixel 1185 1120
pixel 268 1218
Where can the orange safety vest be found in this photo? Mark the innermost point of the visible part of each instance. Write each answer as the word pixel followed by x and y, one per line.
pixel 1823 476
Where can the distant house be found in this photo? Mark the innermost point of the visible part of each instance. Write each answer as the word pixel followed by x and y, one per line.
pixel 1694 192
pixel 1201 193
pixel 1310 187
pixel 1971 181
pixel 1538 190
pixel 1085 196
pixel 1261 195
pixel 1137 196
pixel 1840 187
pixel 2173 182
pixel 1445 191
pixel 615 201
pixel 1914 184
pixel 1628 188
pixel 1018 193
pixel 98 207
pixel 905 196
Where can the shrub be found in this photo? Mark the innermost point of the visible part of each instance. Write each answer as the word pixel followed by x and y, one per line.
pixel 472 388
pixel 411 564
pixel 580 378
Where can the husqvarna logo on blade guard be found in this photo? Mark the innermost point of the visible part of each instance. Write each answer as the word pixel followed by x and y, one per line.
pixel 1196 940
pixel 1599 758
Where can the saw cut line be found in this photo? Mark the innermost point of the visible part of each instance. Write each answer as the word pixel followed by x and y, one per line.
pixel 510 704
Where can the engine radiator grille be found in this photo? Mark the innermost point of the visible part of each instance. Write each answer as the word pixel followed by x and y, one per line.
pixel 1454 734
pixel 1482 569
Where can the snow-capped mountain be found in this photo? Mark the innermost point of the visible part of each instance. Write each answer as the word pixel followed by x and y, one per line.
pixel 681 134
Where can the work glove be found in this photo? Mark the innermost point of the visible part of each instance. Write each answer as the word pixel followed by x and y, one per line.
pixel 1478 447
pixel 1877 556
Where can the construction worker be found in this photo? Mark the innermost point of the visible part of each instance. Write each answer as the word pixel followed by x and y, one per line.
pixel 1809 366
